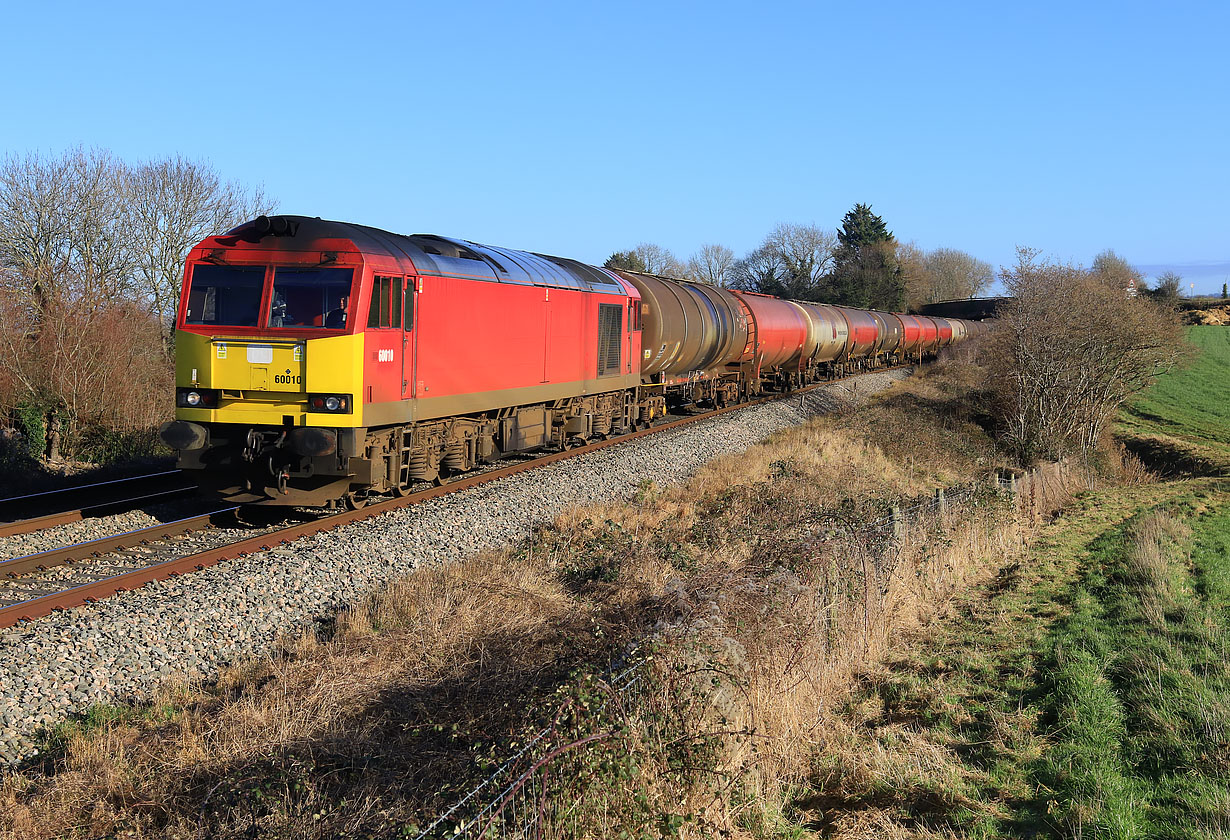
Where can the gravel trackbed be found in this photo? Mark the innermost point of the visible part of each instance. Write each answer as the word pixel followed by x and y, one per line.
pixel 191 626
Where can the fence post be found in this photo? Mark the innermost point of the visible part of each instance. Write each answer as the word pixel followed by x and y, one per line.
pixel 941 504
pixel 898 525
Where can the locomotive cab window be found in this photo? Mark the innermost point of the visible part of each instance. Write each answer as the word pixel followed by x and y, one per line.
pixel 307 298
pixel 224 295
pixel 385 310
pixel 634 316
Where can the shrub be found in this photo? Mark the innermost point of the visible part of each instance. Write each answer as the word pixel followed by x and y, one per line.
pixel 1069 350
pixel 30 420
pixel 101 444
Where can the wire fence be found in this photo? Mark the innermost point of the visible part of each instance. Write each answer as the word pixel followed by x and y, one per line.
pixel 514 801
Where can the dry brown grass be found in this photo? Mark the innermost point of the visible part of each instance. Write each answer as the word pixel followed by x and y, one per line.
pixel 748 568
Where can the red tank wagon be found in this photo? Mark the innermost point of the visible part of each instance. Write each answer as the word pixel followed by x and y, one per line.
pixel 779 334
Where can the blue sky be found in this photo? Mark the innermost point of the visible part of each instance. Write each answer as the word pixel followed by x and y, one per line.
pixel 584 128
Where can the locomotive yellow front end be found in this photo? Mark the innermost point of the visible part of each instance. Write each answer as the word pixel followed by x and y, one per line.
pixel 269 368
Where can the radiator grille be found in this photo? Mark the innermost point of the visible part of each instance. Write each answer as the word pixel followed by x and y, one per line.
pixel 609 322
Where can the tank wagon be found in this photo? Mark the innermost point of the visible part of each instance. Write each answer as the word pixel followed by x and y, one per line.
pixel 318 362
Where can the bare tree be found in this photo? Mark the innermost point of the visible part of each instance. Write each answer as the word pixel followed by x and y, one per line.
pixel 658 260
pixel 86 223
pixel 175 203
pixel 942 274
pixel 99 225
pixel 63 247
pixel 1169 287
pixel 712 264
pixel 763 270
pixel 33 225
pixel 1068 351
pixel 912 262
pixel 1114 271
pixel 806 252
pixel 91 256
pixel 649 258
pixel 955 274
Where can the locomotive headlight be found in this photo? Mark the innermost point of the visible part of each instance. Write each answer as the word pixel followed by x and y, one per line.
pixel 196 397
pixel 332 403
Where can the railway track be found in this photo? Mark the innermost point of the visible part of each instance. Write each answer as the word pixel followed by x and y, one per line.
pixel 34 512
pixel 36 589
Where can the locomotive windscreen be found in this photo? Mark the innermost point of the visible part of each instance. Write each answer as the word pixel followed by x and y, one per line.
pixel 227 296
pixel 310 297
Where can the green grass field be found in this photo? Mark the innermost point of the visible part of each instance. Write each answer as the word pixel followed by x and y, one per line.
pixel 1190 405
pixel 1086 690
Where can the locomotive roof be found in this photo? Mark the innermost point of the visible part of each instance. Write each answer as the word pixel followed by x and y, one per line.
pixel 441 255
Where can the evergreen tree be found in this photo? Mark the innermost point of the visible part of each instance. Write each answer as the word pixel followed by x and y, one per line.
pixel 626 261
pixel 861 227
pixel 1223 291
pixel 865 271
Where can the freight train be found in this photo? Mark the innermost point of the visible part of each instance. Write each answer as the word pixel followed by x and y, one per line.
pixel 320 362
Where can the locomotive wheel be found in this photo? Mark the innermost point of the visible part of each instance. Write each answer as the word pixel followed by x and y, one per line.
pixel 354 501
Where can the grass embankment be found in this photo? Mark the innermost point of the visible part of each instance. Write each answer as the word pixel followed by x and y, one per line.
pixel 1086 690
pixel 759 598
pixel 1182 423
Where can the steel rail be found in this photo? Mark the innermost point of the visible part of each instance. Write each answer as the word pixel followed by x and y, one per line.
pixel 15 499
pixel 91 592
pixel 43 560
pixel 60 491
pixel 66 504
pixel 50 520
